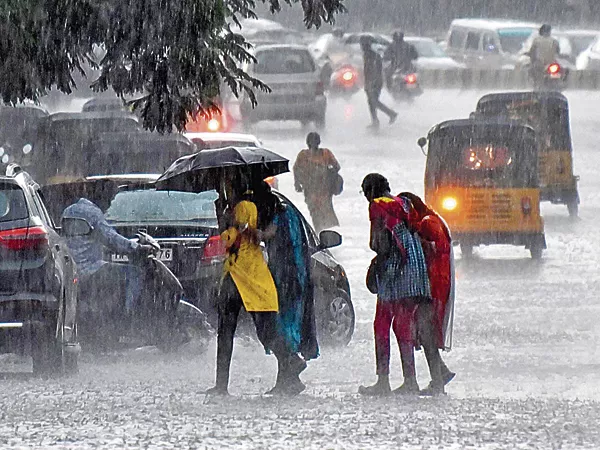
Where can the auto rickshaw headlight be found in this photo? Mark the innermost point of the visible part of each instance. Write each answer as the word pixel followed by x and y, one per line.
pixel 449 203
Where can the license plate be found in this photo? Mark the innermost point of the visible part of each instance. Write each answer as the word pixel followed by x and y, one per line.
pixel 411 86
pixel 164 254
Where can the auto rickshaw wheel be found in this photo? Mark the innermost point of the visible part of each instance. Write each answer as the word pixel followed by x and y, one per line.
pixel 573 208
pixel 536 251
pixel 466 250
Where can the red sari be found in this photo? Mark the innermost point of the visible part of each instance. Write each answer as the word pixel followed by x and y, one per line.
pixel 437 248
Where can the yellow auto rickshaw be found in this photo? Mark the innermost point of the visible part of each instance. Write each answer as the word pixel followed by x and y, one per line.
pixel 482 177
pixel 548 114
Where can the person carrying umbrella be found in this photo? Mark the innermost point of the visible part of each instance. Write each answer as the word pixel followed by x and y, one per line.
pixel 316 174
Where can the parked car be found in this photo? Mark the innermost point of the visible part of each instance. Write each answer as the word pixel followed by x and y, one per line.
pixel 295 80
pixel 488 44
pixel 589 59
pixel 38 295
pixel 185 225
pixel 431 55
pixel 206 141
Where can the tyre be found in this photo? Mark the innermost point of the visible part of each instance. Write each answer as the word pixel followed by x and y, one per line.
pixel 466 250
pixel 536 251
pixel 573 208
pixel 336 324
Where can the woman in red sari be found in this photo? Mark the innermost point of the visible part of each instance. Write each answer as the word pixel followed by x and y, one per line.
pixel 437 246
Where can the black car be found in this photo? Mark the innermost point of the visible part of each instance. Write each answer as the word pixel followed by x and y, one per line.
pixel 185 225
pixel 38 295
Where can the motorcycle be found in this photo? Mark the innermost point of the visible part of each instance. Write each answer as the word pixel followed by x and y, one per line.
pixel 345 81
pixel 404 85
pixel 553 77
pixel 161 316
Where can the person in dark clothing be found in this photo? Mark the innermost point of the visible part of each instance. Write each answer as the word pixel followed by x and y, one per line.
pixel 400 54
pixel 373 79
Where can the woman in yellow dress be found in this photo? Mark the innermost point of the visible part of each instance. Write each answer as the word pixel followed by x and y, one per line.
pixel 247 281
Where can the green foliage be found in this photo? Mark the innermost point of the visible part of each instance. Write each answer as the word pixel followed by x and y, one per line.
pixel 173 56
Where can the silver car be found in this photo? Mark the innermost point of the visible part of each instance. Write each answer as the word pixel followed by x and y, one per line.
pixel 297 92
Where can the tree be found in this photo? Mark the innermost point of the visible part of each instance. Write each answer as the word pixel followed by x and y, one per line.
pixel 174 56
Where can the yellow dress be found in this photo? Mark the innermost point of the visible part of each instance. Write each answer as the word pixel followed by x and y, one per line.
pixel 247 266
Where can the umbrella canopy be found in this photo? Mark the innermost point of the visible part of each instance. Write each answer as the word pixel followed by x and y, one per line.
pixel 207 169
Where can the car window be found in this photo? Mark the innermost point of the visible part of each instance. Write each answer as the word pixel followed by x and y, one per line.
pixel 12 203
pixel 148 205
pixel 489 44
pixel 457 37
pixel 472 40
pixel 284 61
pixel 580 43
pixel 512 39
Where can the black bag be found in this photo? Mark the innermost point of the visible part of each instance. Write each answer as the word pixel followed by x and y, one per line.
pixel 372 276
pixel 336 182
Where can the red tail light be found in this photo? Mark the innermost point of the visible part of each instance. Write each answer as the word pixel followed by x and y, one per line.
pixel 411 78
pixel 214 248
pixel 526 205
pixel 320 90
pixel 19 239
pixel 553 68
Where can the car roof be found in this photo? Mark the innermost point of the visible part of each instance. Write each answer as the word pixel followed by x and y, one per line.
pixel 280 47
pixel 582 33
pixel 91 115
pixel 492 24
pixel 128 177
pixel 211 137
pixel 418 39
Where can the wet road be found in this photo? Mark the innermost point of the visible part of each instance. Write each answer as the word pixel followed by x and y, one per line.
pixel 525 349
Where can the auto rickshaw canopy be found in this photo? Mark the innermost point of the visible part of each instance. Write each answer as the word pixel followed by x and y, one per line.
pixel 482 153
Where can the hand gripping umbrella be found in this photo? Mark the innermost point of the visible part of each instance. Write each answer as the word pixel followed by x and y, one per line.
pixel 207 169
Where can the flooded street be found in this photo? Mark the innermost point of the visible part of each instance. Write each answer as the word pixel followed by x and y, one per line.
pixel 525 350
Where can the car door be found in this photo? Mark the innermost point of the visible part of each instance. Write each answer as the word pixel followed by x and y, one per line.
pixel 473 53
pixel 64 269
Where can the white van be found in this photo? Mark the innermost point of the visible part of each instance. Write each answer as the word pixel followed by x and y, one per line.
pixel 488 44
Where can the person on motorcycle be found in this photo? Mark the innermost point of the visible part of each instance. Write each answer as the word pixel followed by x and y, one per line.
pixel 373 78
pixel 96 275
pixel 400 55
pixel 544 50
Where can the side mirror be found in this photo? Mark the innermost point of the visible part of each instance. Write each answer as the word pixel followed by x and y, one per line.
pixel 329 239
pixel 422 142
pixel 71 227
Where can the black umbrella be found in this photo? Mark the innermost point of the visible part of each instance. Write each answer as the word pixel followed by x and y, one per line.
pixel 207 169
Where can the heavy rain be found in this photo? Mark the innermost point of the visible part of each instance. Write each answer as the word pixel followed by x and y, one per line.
pixel 326 224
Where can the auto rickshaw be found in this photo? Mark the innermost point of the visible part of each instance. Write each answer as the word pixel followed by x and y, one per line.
pixel 548 114
pixel 482 177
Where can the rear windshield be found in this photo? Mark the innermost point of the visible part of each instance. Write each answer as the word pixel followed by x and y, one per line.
pixel 284 61
pixel 12 203
pixel 428 49
pixel 512 39
pixel 141 206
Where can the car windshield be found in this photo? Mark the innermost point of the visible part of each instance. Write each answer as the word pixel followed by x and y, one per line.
pixel 284 61
pixel 209 145
pixel 512 39
pixel 149 205
pixel 12 203
pixel 428 49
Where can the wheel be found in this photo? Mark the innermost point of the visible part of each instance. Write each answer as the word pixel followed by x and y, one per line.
pixel 536 251
pixel 466 250
pixel 573 208
pixel 336 326
pixel 191 326
pixel 46 352
pixel 320 123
